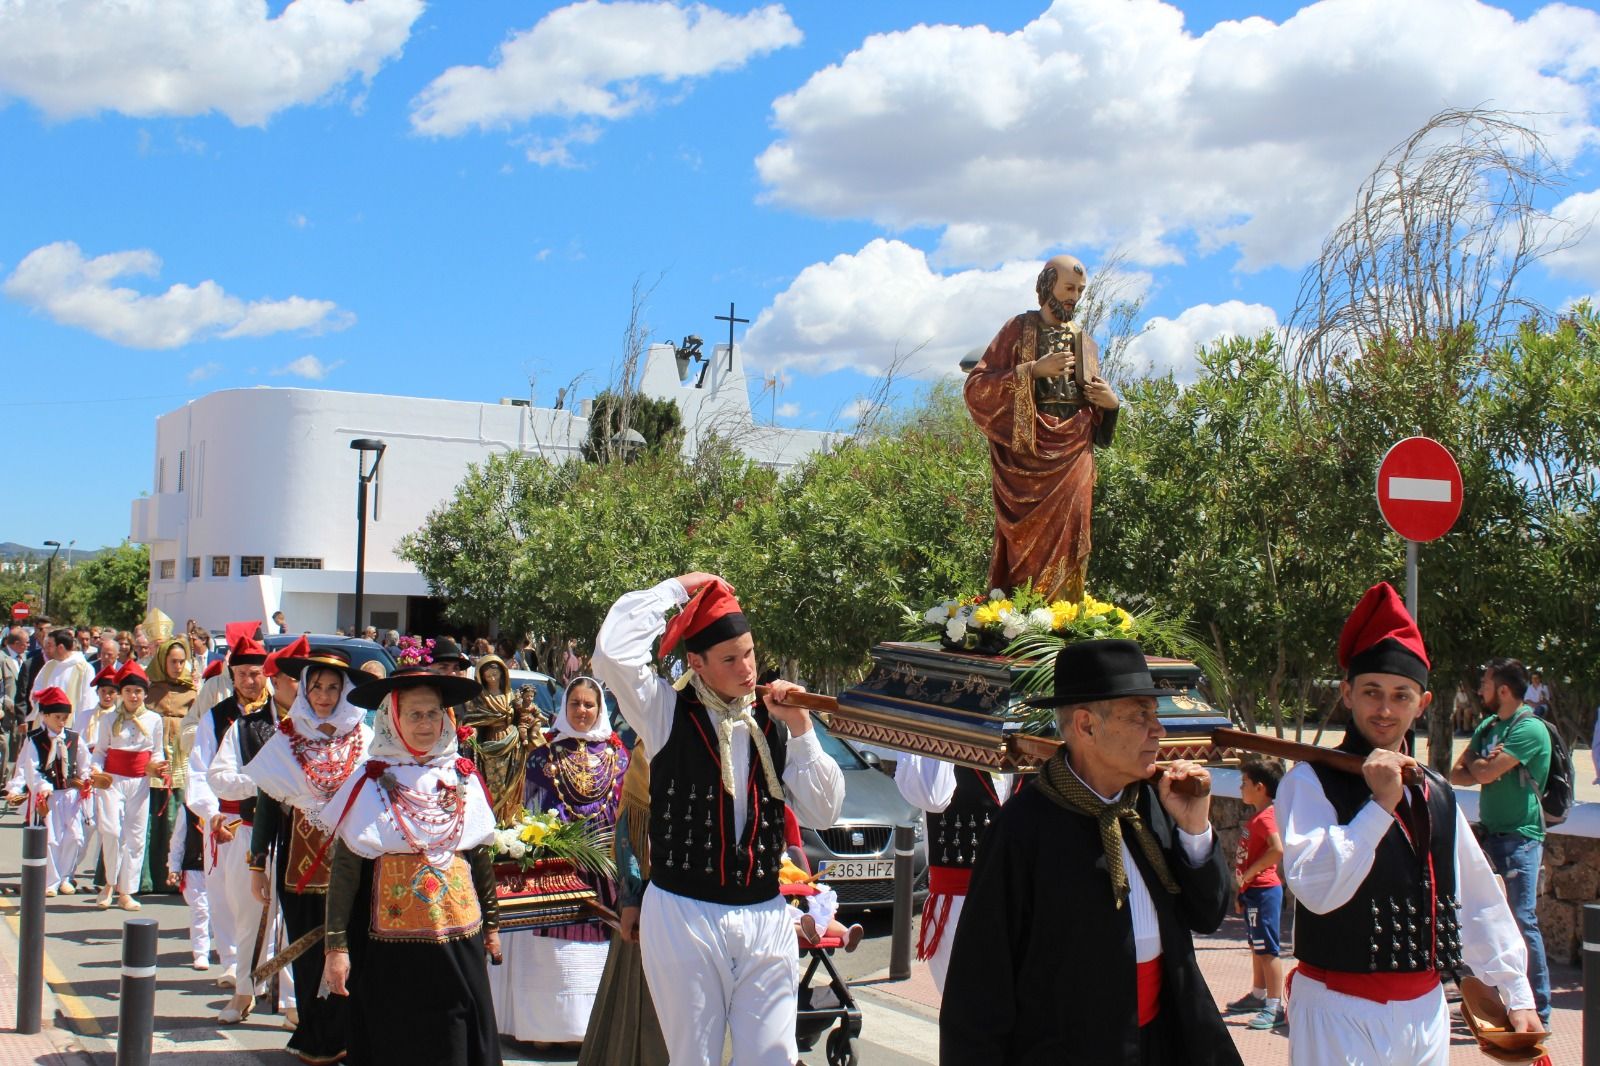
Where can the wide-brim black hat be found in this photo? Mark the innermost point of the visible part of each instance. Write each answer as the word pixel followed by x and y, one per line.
pixel 1092 670
pixel 326 658
pixel 451 690
pixel 445 648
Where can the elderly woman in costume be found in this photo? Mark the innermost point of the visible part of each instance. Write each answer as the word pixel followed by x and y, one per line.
pixel 411 896
pixel 310 758
pixel 623 1027
pixel 547 988
pixel 497 745
pixel 127 752
pixel 172 693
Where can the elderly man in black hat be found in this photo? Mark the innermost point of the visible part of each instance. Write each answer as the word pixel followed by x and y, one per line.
pixel 1075 944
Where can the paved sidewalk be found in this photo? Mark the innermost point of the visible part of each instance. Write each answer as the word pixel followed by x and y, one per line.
pixel 51 1046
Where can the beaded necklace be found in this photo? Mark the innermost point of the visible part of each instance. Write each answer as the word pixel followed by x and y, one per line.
pixel 326 761
pixel 438 818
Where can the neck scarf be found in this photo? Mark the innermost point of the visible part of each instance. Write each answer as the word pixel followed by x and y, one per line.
pixel 725 715
pixel 124 716
pixel 601 730
pixel 633 817
pixel 1065 788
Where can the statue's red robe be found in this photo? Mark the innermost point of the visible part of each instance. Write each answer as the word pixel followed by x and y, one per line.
pixel 1041 467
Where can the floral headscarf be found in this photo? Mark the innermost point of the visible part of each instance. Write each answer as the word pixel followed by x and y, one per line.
pixel 389 746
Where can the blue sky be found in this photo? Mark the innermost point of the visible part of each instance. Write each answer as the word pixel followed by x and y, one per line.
pixel 333 213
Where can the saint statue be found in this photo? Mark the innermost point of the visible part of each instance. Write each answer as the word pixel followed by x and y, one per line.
pixel 1037 394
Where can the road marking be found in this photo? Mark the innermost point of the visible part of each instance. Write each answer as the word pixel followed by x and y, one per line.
pixel 1426 490
pixel 72 1005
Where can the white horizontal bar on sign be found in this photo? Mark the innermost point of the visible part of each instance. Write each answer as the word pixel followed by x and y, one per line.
pixel 1428 490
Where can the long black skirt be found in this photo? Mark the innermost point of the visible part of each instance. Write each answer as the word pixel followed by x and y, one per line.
pixel 427 1004
pixel 324 1030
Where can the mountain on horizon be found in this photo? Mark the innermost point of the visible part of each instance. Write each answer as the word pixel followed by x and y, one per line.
pixel 12 550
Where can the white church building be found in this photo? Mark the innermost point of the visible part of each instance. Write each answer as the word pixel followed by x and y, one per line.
pixel 221 552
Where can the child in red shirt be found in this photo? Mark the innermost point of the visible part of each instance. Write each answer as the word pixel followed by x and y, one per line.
pixel 1261 893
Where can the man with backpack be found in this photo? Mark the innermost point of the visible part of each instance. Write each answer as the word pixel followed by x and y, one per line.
pixel 1510 756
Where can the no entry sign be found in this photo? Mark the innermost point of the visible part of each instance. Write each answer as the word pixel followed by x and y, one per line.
pixel 20 611
pixel 1419 489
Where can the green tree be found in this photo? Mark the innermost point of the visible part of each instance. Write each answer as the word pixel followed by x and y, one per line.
pixel 111 588
pixel 657 420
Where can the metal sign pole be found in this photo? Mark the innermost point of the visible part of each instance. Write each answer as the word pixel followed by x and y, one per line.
pixel 1411 578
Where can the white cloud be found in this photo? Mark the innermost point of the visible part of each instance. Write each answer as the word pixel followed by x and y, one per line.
pixel 883 304
pixel 309 367
pixel 1578 219
pixel 1168 345
pixel 597 60
pixel 204 370
pixel 60 281
pixel 188 57
pixel 788 410
pixel 1100 124
pixel 557 151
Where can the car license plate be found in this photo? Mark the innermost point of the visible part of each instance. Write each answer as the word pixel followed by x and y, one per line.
pixel 860 870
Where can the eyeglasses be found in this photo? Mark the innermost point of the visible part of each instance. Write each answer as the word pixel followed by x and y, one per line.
pixel 420 717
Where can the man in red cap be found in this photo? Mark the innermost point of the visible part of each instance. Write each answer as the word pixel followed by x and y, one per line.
pixel 235 914
pixel 1391 887
pixel 54 769
pixel 717 940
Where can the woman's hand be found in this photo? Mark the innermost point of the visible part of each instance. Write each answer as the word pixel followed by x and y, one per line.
pixel 260 887
pixel 628 922
pixel 491 945
pixel 336 972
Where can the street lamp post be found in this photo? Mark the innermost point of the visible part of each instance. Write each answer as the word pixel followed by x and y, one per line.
pixel 365 446
pixel 49 567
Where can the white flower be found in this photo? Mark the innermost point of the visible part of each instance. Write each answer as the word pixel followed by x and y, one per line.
pixel 996 594
pixel 956 628
pixel 1013 629
pixel 936 615
pixel 516 849
pixel 1041 619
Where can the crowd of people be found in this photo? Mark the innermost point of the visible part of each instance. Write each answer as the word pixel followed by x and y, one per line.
pixel 336 824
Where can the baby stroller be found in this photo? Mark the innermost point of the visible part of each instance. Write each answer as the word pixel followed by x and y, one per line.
pixel 821 1006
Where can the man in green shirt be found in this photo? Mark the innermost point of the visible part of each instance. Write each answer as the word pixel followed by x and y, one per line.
pixel 1509 756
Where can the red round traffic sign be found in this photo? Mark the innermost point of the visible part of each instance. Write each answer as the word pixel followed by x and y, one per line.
pixel 1419 489
pixel 20 611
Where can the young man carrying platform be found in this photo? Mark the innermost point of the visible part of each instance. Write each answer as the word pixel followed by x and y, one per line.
pixel 718 941
pixel 1390 886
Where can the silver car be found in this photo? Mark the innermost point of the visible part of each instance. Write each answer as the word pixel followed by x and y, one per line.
pixel 859 848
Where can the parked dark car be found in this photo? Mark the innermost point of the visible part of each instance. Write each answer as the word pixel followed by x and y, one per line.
pixel 359 649
pixel 859 848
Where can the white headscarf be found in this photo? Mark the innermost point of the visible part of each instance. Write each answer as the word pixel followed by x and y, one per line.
pixel 277 772
pixel 345 717
pixel 601 730
pixel 388 746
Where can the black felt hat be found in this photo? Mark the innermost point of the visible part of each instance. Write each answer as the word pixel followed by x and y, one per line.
pixel 451 690
pixel 325 658
pixel 1099 670
pixel 444 648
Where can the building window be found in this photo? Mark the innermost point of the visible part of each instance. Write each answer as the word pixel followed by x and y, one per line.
pixel 295 562
pixel 194 566
pixel 219 565
pixel 251 566
pixel 166 569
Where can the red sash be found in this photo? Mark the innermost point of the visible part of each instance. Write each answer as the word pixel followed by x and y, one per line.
pixel 1377 987
pixel 1149 974
pixel 125 763
pixel 230 806
pixel 949 880
pixel 944 882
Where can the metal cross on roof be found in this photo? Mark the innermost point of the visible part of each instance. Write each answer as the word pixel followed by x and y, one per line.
pixel 730 318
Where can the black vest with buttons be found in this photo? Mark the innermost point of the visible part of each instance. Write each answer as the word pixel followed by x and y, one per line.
pixel 255 729
pixel 69 742
pixel 955 834
pixel 1403 917
pixel 693 849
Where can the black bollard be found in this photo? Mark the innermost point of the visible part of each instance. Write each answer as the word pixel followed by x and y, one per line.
pixel 1591 984
pixel 30 955
pixel 900 943
pixel 136 1013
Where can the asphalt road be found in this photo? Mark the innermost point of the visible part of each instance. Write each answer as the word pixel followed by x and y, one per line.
pixel 83 959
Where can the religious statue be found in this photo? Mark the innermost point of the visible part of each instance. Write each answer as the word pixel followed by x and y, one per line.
pixel 1037 394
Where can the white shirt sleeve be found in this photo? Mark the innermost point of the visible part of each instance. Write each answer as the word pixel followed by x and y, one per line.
pixel 814 782
pixel 1324 862
pixel 32 781
pixel 1196 848
pixel 1490 942
pixel 226 777
pixel 622 658
pixel 198 796
pixel 926 783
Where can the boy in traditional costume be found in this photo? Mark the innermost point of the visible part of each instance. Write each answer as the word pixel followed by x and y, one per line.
pixel 1075 944
pixel 411 896
pixel 718 940
pixel 54 776
pixel 127 750
pixel 1391 887
pixel 961 804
